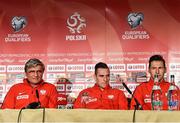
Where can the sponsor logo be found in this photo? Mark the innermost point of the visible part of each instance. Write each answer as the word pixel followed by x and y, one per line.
pixel 174 66
pixel 76 23
pixel 22 97
pixel 117 86
pixel 2 68
pixel 60 87
pixel 61 98
pixel 147 100
pixel 20 93
pixel 135 67
pixel 90 67
pixel 74 87
pixel 116 67
pixel 2 88
pixel 88 99
pixel 55 68
pixel 73 68
pixel 15 68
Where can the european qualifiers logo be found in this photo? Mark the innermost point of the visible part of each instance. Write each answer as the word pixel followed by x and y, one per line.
pixel 76 24
pixel 135 20
pixel 18 23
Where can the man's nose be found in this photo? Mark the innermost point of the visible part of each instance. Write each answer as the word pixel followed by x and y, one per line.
pixel 36 73
pixel 105 78
pixel 157 70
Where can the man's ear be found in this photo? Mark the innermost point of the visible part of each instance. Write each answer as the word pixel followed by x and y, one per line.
pixel 95 77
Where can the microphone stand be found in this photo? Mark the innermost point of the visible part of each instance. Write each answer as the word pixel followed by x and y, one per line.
pixel 138 105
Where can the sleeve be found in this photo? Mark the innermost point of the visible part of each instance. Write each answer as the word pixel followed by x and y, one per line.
pixel 123 103
pixel 53 99
pixel 9 100
pixel 78 102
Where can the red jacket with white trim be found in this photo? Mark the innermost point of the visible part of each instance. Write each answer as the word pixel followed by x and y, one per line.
pixel 143 94
pixel 95 98
pixel 22 94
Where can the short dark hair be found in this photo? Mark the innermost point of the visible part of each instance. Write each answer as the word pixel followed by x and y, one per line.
pixel 33 63
pixel 156 58
pixel 100 65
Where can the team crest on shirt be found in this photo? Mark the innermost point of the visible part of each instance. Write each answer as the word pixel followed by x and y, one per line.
pixel 42 92
pixel 110 97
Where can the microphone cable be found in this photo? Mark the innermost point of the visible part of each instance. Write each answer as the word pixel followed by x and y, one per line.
pixel 137 106
pixel 134 113
pixel 19 115
pixel 43 117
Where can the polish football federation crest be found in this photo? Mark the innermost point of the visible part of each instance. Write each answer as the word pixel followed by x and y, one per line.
pixel 76 23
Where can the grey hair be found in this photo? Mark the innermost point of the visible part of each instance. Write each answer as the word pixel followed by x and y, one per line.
pixel 33 63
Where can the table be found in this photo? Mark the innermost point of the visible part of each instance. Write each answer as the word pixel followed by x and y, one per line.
pixel 84 115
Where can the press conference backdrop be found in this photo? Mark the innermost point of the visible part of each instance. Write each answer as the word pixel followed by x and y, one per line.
pixel 71 36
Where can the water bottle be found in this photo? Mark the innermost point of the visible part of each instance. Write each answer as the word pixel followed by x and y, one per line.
pixel 173 103
pixel 156 96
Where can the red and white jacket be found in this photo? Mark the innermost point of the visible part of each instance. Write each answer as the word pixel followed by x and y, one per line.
pixel 143 94
pixel 95 98
pixel 22 94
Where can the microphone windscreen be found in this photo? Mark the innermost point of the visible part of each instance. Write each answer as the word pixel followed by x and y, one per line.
pixel 33 105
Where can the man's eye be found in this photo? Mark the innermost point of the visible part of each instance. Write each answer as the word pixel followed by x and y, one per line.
pixel 31 72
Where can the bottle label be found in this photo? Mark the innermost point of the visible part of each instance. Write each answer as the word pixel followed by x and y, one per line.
pixel 173 105
pixel 157 105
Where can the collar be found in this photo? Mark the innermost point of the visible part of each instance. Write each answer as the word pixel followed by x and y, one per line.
pixel 151 81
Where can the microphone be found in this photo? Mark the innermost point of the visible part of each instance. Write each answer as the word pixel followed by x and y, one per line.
pixel 138 105
pixel 34 105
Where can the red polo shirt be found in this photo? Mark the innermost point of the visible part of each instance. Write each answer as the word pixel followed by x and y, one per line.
pixel 22 94
pixel 143 94
pixel 95 98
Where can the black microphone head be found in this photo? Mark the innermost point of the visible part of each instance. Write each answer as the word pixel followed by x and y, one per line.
pixel 33 105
